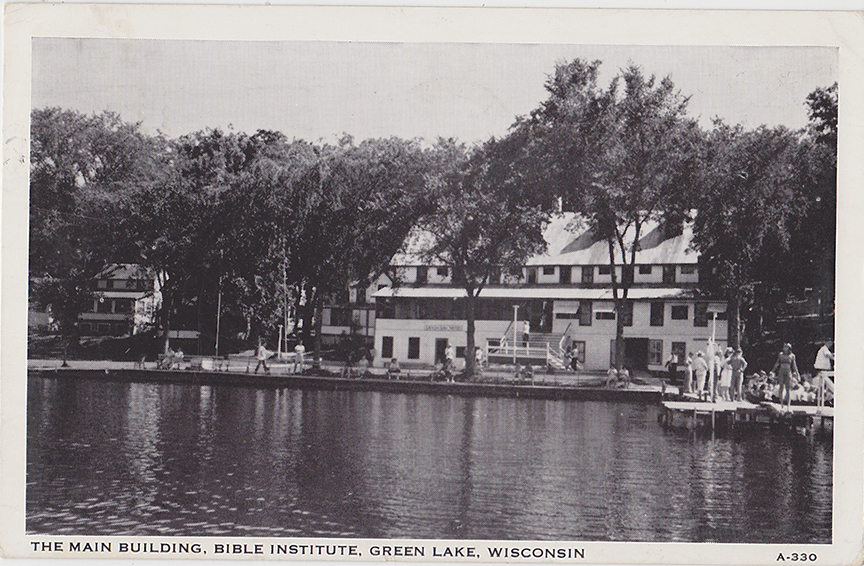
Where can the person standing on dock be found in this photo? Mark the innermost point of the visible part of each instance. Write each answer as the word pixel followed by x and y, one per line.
pixel 739 364
pixel 526 332
pixel 672 367
pixel 726 375
pixel 700 368
pixel 263 354
pixel 824 359
pixel 786 367
pixel 688 374
pixel 299 353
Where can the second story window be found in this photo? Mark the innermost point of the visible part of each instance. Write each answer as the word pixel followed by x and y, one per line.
pixel 669 274
pixel 422 275
pixel 361 295
pixel 700 314
pixel 688 269
pixel 604 270
pixel 548 270
pixel 587 274
pixel 644 270
pixel 627 274
pixel 443 271
pixel 657 313
pixel 532 275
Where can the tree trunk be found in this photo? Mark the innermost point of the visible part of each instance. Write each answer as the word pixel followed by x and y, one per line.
pixel 168 307
pixel 733 320
pixel 319 315
pixel 469 334
pixel 619 333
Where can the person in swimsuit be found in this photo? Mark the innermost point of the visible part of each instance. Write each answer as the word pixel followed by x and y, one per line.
pixel 786 367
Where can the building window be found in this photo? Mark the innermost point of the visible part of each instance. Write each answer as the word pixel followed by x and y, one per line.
pixel 658 313
pixel 680 350
pixel 443 271
pixel 385 308
pixel 361 295
pixel 579 350
pixel 340 316
pixel 495 276
pixel 644 270
pixel 680 312
pixel 567 315
pixel 688 269
pixel 627 313
pixel 604 270
pixel 700 314
pixel 414 348
pixel 655 352
pixel 103 306
pixel 548 270
pixel 565 274
pixel 605 315
pixel 102 284
pixel 668 274
pixel 460 351
pixel 627 274
pixel 587 274
pixel 532 275
pixel 422 275
pixel 123 306
pixel 387 347
pixel 585 308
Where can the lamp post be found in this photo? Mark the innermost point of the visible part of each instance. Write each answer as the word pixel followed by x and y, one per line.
pixel 515 323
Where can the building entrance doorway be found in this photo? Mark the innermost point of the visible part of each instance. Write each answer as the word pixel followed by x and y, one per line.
pixel 636 353
pixel 440 347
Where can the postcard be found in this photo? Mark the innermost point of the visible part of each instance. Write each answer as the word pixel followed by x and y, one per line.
pixel 363 284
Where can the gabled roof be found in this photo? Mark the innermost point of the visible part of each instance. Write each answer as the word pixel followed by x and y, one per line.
pixel 570 242
pixel 125 271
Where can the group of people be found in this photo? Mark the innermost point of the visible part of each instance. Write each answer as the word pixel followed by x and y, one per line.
pixel 783 383
pixel 728 371
pixel 263 354
pixel 618 377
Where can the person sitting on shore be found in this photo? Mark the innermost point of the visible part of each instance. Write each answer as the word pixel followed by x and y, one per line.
pixel 393 370
pixel 612 377
pixel 624 375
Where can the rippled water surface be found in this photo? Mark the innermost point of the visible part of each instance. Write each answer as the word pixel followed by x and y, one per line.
pixel 161 459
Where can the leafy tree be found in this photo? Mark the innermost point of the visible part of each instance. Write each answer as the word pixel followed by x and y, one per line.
pixel 749 205
pixel 621 157
pixel 361 201
pixel 478 227
pixel 176 222
pixel 82 169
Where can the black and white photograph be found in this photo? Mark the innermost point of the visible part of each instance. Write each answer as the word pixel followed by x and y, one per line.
pixel 452 300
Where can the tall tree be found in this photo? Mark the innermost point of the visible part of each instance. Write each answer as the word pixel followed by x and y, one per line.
pixel 82 168
pixel 749 205
pixel 622 158
pixel 479 226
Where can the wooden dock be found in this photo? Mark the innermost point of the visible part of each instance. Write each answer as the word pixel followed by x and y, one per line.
pixel 731 414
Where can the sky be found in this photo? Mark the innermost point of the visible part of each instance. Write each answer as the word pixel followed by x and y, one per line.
pixel 321 90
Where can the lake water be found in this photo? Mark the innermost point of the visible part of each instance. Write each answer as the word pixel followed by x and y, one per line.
pixel 161 459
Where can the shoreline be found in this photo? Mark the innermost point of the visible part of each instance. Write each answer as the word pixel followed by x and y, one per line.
pixel 635 394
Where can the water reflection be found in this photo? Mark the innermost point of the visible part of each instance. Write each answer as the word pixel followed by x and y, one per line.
pixel 145 459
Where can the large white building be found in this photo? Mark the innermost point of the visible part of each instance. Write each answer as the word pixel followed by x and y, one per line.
pixel 565 295
pixel 125 301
